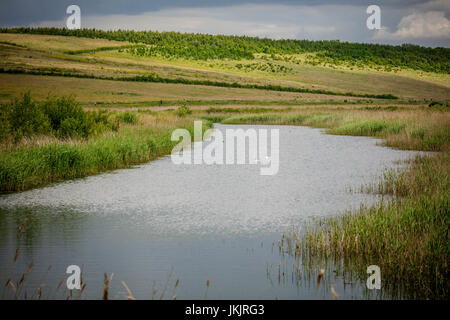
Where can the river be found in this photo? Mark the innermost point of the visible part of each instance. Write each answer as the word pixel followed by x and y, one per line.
pixel 158 222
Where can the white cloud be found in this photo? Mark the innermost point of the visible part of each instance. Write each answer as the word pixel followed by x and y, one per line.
pixel 419 25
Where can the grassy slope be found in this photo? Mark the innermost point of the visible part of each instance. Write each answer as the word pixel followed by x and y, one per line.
pixel 48 52
pixel 106 91
pixel 407 84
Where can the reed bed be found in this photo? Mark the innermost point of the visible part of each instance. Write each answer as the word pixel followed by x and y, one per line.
pixel 39 160
pixel 407 236
pixel 423 129
pixel 15 286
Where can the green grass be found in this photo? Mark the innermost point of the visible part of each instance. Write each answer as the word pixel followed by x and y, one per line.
pixel 127 117
pixel 30 167
pixel 183 111
pixel 48 54
pixel 253 119
pixel 213 119
pixel 93 50
pixel 245 110
pixel 218 106
pixel 427 130
pixel 408 237
pixel 371 127
pixel 56 140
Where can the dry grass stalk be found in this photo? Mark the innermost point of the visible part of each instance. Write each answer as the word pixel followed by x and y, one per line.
pixel 320 277
pixel 130 295
pixel 334 294
pixel 207 286
pixel 106 286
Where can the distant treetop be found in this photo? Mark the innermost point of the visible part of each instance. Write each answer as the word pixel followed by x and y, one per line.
pixel 205 46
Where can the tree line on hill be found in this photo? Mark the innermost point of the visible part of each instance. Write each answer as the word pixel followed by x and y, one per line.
pixel 205 47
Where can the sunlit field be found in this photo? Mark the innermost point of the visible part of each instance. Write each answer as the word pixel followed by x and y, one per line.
pixel 81 103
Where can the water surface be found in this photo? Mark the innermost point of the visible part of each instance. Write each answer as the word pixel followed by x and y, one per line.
pixel 194 222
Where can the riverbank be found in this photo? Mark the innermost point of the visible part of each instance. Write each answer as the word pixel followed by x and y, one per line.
pixel 408 238
pixel 207 221
pixel 424 129
pixel 37 152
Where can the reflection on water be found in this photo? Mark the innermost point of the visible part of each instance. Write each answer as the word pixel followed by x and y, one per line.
pixel 204 221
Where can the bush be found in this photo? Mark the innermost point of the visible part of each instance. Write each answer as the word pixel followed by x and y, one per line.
pixel 183 111
pixel 61 117
pixel 60 109
pixel 24 118
pixel 445 106
pixel 5 128
pixel 127 117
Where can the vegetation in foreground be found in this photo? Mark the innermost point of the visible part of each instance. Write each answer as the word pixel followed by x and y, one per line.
pixel 16 286
pixel 57 140
pixel 407 237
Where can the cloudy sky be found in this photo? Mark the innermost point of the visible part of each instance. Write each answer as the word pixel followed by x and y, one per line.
pixel 402 21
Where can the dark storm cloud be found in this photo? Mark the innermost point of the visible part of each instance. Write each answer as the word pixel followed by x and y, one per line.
pixel 414 21
pixel 22 12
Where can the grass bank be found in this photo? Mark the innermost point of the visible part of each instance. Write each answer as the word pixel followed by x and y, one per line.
pixel 423 129
pixel 35 153
pixel 37 165
pixel 407 237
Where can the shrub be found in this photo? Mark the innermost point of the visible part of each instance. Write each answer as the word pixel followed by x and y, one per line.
pixel 183 111
pixel 24 118
pixel 61 117
pixel 5 128
pixel 127 117
pixel 60 109
pixel 445 106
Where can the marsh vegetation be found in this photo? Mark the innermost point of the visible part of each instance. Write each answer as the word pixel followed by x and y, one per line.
pixel 122 93
pixel 56 140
